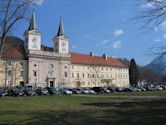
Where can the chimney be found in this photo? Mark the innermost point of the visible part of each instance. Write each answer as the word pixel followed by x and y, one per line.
pixel 91 54
pixel 105 56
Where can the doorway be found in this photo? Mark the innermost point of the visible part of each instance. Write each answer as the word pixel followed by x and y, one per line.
pixel 78 84
pixel 51 83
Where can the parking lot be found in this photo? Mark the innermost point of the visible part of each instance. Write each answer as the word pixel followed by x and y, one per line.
pixel 36 91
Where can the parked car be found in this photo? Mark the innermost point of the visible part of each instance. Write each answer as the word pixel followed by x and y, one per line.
pixel 76 91
pixel 105 90
pixel 91 91
pixel 53 91
pixel 29 92
pixel 13 92
pixel 3 92
pixel 66 91
pixel 44 91
pixel 84 91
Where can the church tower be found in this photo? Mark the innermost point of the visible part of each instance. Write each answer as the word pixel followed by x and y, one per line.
pixel 61 44
pixel 32 36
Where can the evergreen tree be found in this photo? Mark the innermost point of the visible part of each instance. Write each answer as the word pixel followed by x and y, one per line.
pixel 133 73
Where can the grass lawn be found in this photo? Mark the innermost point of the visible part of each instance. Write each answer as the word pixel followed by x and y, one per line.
pixel 144 108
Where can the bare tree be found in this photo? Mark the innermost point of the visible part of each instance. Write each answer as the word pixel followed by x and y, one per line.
pixel 11 12
pixel 153 12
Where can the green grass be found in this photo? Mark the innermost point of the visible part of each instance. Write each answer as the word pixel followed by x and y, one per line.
pixel 147 108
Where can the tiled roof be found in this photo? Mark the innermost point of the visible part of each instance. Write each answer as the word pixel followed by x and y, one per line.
pixel 77 58
pixel 13 48
pixel 45 48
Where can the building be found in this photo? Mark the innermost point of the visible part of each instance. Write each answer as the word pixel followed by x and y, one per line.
pixel 91 70
pixel 32 64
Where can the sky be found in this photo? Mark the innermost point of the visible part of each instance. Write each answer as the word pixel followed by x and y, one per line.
pixel 98 26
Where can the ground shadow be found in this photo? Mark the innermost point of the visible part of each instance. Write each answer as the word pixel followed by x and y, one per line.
pixel 102 113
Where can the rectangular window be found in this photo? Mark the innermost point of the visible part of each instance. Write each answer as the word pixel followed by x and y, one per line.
pixel 77 75
pixel 83 75
pixel 9 72
pixel 9 63
pixel 22 73
pixel 88 75
pixel 34 73
pixel 73 75
pixel 21 63
pixel 65 74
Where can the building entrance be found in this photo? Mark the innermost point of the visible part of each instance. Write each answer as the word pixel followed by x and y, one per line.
pixel 51 83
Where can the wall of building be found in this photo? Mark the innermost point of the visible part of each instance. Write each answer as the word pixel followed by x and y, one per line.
pixel 92 76
pixel 49 70
pixel 13 72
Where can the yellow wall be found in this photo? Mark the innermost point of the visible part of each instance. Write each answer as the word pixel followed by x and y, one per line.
pixel 15 77
pixel 98 76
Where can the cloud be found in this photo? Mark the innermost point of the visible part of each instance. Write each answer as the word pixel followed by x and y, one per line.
pixel 164 36
pixel 86 35
pixel 117 44
pixel 38 2
pixel 118 32
pixel 162 26
pixel 104 41
pixel 151 3
pixel 157 40
pixel 147 5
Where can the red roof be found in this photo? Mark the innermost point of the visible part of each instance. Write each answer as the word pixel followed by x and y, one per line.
pixel 13 48
pixel 85 59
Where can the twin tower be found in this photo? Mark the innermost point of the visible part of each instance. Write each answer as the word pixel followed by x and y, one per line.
pixel 33 38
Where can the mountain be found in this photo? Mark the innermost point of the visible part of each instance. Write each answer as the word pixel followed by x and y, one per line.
pixel 158 65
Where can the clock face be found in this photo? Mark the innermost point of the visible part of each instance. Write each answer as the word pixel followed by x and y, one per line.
pixel 50 66
pixel 34 42
pixel 34 39
pixel 63 44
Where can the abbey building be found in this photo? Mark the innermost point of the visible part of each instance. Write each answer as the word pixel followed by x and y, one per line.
pixel 29 63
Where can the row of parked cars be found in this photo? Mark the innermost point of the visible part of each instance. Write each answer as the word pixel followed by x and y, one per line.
pixel 25 91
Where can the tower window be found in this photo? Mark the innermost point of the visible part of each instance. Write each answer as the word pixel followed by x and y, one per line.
pixel 35 73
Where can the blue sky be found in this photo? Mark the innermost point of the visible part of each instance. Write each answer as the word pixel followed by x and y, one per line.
pixel 99 26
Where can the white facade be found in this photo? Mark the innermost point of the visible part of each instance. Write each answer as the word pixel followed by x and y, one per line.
pixel 33 40
pixel 48 69
pixel 61 44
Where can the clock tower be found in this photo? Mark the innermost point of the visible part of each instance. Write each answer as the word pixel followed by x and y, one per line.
pixel 61 44
pixel 32 36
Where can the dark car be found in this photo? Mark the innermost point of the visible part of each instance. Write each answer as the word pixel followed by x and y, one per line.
pixel 53 91
pixel 97 89
pixel 29 92
pixel 13 92
pixel 3 92
pixel 41 91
